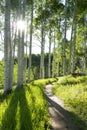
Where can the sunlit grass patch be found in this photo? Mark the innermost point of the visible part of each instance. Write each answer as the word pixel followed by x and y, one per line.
pixel 25 108
pixel 43 82
pixel 70 80
pixel 73 91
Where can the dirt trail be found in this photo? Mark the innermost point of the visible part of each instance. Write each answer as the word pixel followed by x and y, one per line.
pixel 60 117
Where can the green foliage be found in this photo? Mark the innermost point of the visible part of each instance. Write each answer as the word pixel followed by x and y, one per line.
pixel 73 91
pixel 25 108
pixel 35 69
pixel 69 80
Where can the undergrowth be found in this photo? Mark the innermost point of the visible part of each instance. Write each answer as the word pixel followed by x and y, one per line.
pixel 25 108
pixel 73 91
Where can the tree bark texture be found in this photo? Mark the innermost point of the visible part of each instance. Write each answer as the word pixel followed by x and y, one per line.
pixel 30 44
pixel 7 50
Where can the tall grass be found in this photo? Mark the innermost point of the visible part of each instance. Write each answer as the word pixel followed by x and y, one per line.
pixel 73 91
pixel 26 108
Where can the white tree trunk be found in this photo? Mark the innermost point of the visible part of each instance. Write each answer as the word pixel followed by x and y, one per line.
pixel 70 56
pixel 53 63
pixel 49 58
pixel 30 45
pixel 64 46
pixel 74 39
pixel 22 5
pixel 42 52
pixel 7 51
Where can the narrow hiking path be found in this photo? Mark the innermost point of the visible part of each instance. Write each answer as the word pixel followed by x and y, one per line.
pixel 60 117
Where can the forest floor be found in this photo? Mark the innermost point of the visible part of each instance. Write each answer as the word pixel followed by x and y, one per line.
pixel 60 116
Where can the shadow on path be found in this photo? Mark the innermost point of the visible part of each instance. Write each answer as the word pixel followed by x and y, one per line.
pixel 61 118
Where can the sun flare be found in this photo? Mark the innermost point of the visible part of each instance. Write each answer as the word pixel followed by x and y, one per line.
pixel 21 25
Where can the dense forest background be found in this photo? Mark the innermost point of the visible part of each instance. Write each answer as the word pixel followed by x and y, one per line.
pixel 59 29
pixel 49 22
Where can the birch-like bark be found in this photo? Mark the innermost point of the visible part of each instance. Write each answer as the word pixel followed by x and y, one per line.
pixel 42 45
pixel 26 54
pixel 22 6
pixel 49 58
pixel 7 51
pixel 64 46
pixel 42 51
pixel 53 63
pixel 19 82
pixel 13 37
pixel 30 45
pixel 74 39
pixel 70 56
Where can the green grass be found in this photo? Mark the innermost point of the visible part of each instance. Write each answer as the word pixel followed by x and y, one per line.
pixel 73 91
pixel 26 108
